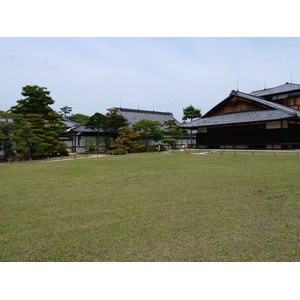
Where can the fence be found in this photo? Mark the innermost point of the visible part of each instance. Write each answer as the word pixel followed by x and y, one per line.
pixel 50 159
pixel 239 152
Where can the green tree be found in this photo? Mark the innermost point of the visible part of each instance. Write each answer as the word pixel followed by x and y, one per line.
pixel 174 131
pixel 104 141
pixel 37 101
pixel 46 136
pixel 169 141
pixel 127 139
pixel 16 135
pixel 79 118
pixel 96 122
pixel 45 124
pixel 110 123
pixel 191 113
pixel 8 133
pixel 149 130
pixel 114 122
pixel 65 111
pixel 89 145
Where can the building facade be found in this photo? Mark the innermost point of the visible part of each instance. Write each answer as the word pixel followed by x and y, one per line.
pixel 76 136
pixel 264 119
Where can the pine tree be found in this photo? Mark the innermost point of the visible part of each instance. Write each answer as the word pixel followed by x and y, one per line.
pixel 127 139
pixel 191 113
pixel 16 135
pixel 44 122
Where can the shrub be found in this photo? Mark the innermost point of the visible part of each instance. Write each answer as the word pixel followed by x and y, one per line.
pixel 153 148
pixel 116 152
pixel 64 152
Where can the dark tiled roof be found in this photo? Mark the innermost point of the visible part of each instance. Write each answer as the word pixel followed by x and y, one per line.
pixel 136 115
pixel 74 126
pixel 284 88
pixel 238 118
pixel 270 104
pixel 275 112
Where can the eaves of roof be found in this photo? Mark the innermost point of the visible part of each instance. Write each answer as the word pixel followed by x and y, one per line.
pixel 239 118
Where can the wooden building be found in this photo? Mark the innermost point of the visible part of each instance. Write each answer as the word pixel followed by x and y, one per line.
pixel 76 135
pixel 135 115
pixel 264 119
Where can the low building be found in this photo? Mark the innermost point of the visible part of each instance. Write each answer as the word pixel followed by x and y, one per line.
pixel 76 135
pixel 264 119
pixel 135 115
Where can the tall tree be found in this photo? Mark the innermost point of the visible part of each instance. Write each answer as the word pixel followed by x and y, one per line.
pixel 149 130
pixel 44 122
pixel 8 133
pixel 114 122
pixel 191 113
pixel 46 132
pixel 16 135
pixel 96 122
pixel 37 101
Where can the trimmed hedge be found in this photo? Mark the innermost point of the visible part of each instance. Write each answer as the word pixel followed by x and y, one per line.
pixel 116 152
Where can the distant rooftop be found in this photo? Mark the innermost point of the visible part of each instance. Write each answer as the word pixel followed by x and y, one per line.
pixel 284 88
pixel 136 115
pixel 74 126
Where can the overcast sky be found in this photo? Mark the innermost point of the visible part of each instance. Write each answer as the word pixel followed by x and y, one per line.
pixel 130 54
pixel 164 74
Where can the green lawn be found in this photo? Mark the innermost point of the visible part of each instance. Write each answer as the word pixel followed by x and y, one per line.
pixel 152 207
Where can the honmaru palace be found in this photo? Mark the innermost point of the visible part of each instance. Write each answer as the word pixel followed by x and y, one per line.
pixel 263 119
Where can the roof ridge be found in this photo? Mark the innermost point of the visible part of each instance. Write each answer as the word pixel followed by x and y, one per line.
pixel 287 83
pixel 143 111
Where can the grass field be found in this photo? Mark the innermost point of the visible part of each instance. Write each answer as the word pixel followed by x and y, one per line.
pixel 152 207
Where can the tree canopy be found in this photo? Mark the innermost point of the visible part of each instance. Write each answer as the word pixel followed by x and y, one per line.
pixel 113 122
pixel 191 113
pixel 149 130
pixel 96 122
pixel 37 100
pixel 65 111
pixel 15 134
pixel 174 131
pixel 45 124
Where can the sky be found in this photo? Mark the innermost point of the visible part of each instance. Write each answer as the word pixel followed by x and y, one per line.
pixel 92 74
